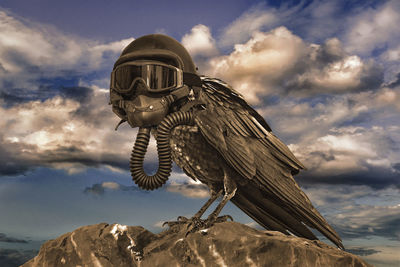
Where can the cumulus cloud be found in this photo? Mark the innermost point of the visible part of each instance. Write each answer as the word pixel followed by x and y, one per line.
pixel 199 42
pixel 279 62
pixel 63 133
pixel 340 139
pixel 348 150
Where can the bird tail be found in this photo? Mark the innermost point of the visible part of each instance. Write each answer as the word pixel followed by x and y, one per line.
pixel 272 216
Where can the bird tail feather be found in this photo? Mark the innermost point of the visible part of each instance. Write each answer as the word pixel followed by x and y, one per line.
pixel 272 216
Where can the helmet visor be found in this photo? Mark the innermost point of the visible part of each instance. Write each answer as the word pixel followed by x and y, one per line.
pixel 157 76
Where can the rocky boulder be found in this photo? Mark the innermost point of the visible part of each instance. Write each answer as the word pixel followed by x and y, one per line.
pixel 224 244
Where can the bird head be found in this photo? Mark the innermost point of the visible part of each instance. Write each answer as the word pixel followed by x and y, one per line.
pixel 152 75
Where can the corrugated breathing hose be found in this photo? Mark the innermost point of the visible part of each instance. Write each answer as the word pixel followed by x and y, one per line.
pixel 139 176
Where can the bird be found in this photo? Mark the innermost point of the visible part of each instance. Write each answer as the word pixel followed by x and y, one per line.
pixel 218 139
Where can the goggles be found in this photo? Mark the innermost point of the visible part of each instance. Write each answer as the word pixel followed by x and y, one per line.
pixel 158 77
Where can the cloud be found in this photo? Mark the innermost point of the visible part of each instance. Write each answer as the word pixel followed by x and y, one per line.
pixel 279 63
pixel 101 189
pixel 255 19
pixel 360 251
pixel 14 96
pixel 5 238
pixel 374 28
pixel 14 257
pixel 387 256
pixel 358 211
pixel 199 42
pixel 351 151
pixel 31 51
pixel 189 189
pixel 64 133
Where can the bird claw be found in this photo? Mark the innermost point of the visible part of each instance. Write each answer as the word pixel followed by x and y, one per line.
pixel 179 220
pixel 223 218
pixel 197 224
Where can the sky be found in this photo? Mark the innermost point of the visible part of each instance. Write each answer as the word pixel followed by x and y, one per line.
pixel 324 74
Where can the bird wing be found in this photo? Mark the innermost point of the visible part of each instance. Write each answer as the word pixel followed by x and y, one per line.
pixel 246 142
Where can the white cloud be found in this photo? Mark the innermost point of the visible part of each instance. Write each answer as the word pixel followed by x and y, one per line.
pixel 64 133
pixel 374 29
pixel 253 20
pixel 189 189
pixel 200 41
pixel 29 51
pixel 111 185
pixel 348 150
pixel 279 62
pixel 255 66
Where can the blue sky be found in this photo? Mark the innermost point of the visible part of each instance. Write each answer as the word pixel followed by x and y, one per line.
pixel 324 74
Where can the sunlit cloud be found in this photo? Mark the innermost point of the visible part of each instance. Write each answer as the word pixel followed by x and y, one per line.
pixel 279 63
pixel 189 189
pixel 199 42
pixel 64 133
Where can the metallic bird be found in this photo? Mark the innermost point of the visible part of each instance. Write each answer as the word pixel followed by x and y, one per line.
pixel 213 135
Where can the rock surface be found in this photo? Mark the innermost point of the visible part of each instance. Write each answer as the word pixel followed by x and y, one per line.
pixel 224 244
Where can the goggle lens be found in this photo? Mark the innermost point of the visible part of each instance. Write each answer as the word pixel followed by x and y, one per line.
pixel 157 77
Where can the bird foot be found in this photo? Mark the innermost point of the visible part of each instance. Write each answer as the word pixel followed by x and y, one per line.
pixel 180 220
pixel 197 224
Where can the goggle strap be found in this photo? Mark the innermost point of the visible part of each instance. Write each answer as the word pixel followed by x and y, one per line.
pixel 112 80
pixel 180 93
pixel 191 79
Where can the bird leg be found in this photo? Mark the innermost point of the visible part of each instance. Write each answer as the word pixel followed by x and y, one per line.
pixel 214 196
pixel 197 216
pixel 230 190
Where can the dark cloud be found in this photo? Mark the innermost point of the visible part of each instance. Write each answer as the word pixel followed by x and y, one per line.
pixel 358 211
pixel 14 257
pixel 14 162
pixel 14 96
pixel 396 166
pixel 96 189
pixel 374 177
pixel 19 158
pixel 362 251
pixel 395 83
pixel 5 238
pixel 387 226
pixel 101 189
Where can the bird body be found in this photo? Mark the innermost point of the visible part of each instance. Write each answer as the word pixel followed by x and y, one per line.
pixel 231 144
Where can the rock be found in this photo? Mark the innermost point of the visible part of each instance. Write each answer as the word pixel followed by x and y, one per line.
pixel 224 244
